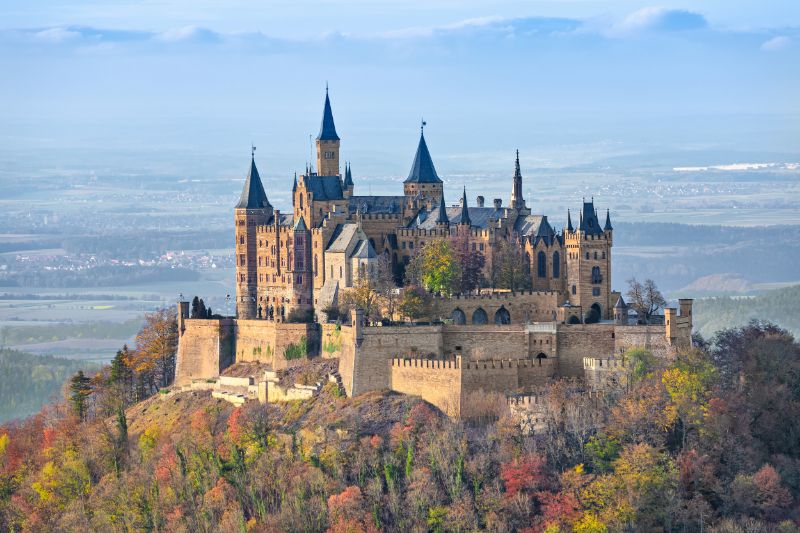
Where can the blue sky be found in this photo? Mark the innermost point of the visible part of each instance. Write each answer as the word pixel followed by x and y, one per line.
pixel 565 81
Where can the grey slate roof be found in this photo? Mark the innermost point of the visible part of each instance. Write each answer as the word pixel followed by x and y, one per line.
pixel 608 226
pixel 376 204
pixel 324 187
pixel 327 131
pixel 287 220
pixel 620 303
pixel 528 225
pixel 478 216
pixel 364 250
pixel 441 216
pixel 589 221
pixel 300 225
pixel 422 170
pixel 341 237
pixel 253 194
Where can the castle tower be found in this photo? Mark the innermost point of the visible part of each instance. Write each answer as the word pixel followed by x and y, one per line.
pixel 253 210
pixel 589 263
pixel 517 200
pixel 463 216
pixel 621 312
pixel 422 188
pixel 327 143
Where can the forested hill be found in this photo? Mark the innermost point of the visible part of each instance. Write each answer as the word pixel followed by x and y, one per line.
pixel 28 381
pixel 779 306
pixel 686 445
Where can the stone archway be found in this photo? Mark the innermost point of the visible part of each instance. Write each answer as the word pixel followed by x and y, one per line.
pixel 458 317
pixel 480 316
pixel 502 316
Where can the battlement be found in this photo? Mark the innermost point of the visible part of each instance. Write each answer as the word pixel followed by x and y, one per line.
pixel 418 362
pixel 501 364
pixel 604 363
pixel 524 400
pixel 505 296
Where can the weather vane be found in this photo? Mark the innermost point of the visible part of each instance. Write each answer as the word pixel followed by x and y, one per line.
pixel 422 126
pixel 252 150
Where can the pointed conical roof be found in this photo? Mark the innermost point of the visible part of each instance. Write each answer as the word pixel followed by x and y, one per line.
pixel 422 171
pixel 348 176
pixel 608 221
pixel 300 225
pixel 294 185
pixel 463 217
pixel 253 195
pixel 569 222
pixel 327 131
pixel 442 217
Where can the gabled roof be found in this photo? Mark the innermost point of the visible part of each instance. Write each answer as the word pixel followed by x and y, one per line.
pixel 324 187
pixel 422 171
pixel 327 131
pixel 364 250
pixel 620 303
pixel 253 195
pixel 344 233
pixel 376 204
pixel 300 225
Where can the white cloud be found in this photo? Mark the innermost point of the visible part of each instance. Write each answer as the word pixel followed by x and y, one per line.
pixel 776 43
pixel 658 19
pixel 188 33
pixel 56 35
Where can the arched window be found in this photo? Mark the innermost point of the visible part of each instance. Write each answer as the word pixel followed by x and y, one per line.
pixel 541 264
pixel 458 317
pixel 556 265
pixel 596 277
pixel 301 201
pixel 502 316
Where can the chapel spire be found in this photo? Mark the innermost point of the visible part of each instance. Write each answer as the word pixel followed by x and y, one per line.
pixel 517 201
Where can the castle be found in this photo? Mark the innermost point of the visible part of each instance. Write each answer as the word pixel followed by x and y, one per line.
pixel 292 266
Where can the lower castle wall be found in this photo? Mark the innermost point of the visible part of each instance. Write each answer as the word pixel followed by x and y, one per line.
pixel 523 307
pixel 436 382
pixel 205 348
pixel 652 338
pixel 485 342
pixel 576 341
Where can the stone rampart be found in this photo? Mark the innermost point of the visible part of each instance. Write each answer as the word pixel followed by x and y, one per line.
pixel 521 307
pixel 275 343
pixel 205 349
pixel 436 382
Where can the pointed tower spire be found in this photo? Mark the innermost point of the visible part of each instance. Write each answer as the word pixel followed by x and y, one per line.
pixel 422 171
pixel 253 194
pixel 569 222
pixel 348 176
pixel 327 131
pixel 464 216
pixel 608 226
pixel 517 200
pixel 294 185
pixel 442 217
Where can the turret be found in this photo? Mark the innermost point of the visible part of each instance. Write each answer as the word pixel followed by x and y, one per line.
pixel 463 216
pixel 253 210
pixel 327 143
pixel 423 186
pixel 348 181
pixel 442 220
pixel 621 312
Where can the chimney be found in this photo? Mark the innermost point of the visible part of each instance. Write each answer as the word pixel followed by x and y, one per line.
pixel 479 201
pixel 498 203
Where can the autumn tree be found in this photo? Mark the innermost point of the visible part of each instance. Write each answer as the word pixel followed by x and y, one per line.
pixel 156 346
pixel 645 298
pixel 510 267
pixel 415 304
pixel 435 267
pixel 471 260
pixel 384 283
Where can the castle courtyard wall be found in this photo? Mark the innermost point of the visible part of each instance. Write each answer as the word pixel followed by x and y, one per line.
pixel 266 341
pixel 436 382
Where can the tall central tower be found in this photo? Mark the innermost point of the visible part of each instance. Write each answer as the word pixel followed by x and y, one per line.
pixel 327 143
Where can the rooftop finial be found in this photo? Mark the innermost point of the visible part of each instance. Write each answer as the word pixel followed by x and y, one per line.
pixel 252 150
pixel 422 126
pixel 326 86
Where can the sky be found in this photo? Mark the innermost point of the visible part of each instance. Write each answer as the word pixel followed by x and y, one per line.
pixel 185 86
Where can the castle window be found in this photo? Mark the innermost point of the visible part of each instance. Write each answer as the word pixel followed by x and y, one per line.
pixel 604 255
pixel 481 247
pixel 241 278
pixel 541 265
pixel 595 255
pixel 340 271
pixel 573 290
pixel 596 276
pixel 241 259
pixel 556 265
pixel 411 245
pixel 299 279
pixel 587 255
pixel 595 291
pixel 329 155
pixel 301 201
pixel 241 239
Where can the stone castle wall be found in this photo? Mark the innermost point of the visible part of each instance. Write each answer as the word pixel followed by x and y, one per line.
pixel 267 341
pixel 436 382
pixel 523 307
pixel 206 347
